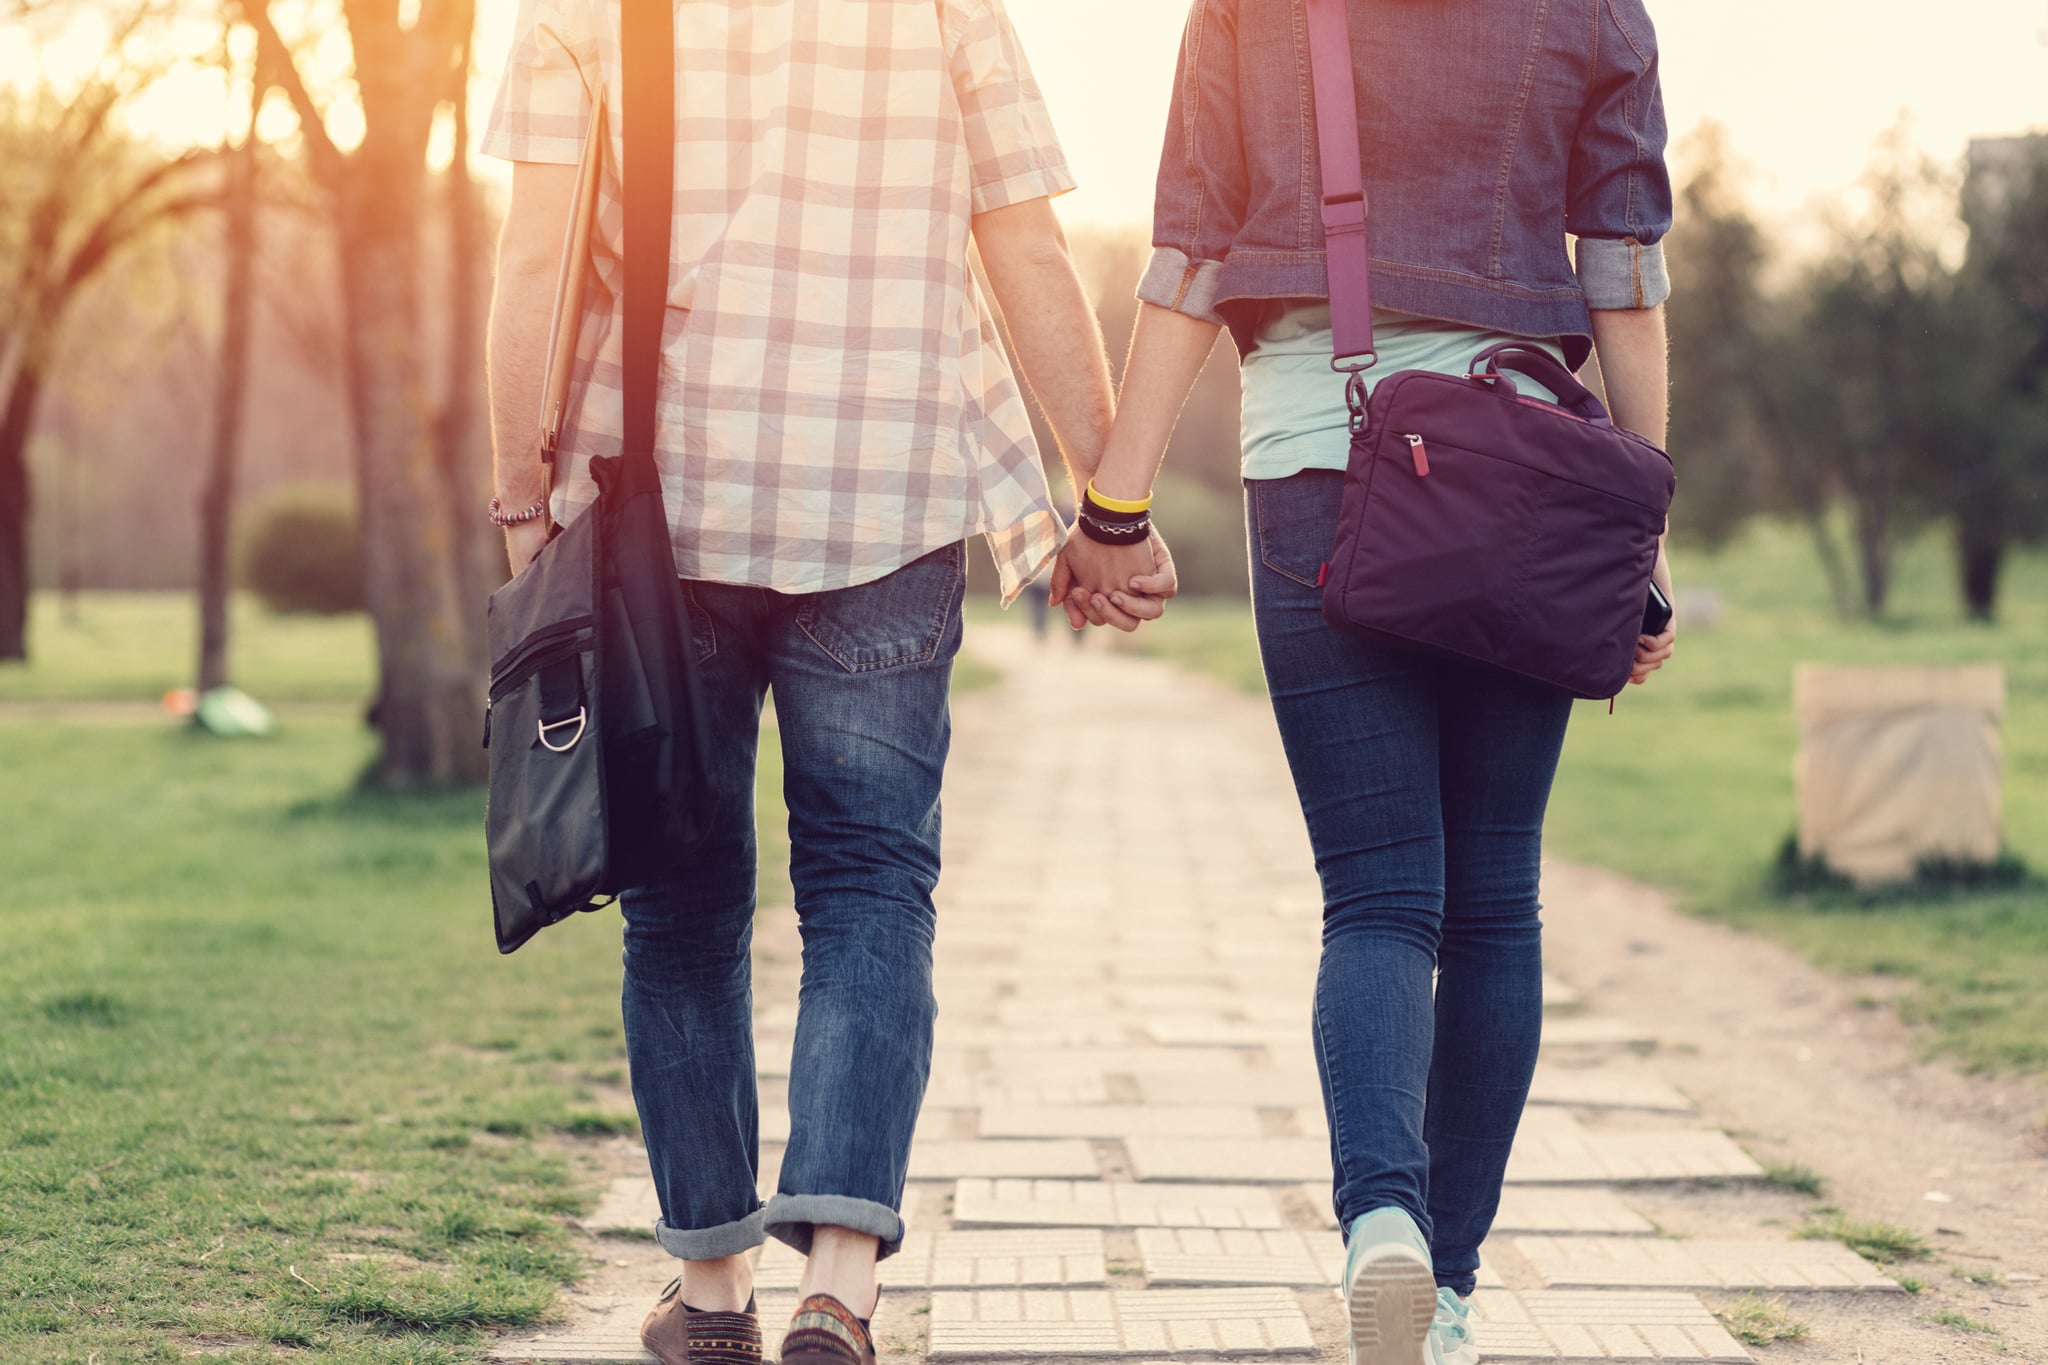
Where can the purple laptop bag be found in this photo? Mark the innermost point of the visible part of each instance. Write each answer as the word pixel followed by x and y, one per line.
pixel 1478 523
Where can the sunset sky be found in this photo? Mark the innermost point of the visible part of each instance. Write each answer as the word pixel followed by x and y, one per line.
pixel 1803 87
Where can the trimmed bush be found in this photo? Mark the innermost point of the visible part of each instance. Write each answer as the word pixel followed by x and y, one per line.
pixel 303 553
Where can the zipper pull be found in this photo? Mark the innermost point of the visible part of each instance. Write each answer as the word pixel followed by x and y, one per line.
pixel 1421 453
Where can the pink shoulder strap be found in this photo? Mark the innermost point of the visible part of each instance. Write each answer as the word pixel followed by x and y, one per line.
pixel 1345 209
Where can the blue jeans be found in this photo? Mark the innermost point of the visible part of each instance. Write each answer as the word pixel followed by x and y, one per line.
pixel 861 679
pixel 1424 782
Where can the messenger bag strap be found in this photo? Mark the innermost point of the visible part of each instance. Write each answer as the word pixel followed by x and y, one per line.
pixel 648 131
pixel 1346 246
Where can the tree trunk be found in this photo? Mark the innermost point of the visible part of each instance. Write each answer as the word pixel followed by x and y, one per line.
pixel 216 499
pixel 464 460
pixel 17 421
pixel 1983 556
pixel 1874 542
pixel 429 702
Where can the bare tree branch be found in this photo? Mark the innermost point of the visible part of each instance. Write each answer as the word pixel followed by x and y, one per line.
pixel 282 69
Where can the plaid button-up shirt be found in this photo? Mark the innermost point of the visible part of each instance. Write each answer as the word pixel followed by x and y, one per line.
pixel 836 401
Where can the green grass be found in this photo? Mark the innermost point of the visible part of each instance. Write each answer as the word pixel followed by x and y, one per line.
pixel 1875 1240
pixel 1760 1321
pixel 265 1084
pixel 1689 785
pixel 137 646
pixel 1796 1176
pixel 1963 1322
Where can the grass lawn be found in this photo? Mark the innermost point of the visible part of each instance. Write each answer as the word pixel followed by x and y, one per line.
pixel 1690 784
pixel 264 1080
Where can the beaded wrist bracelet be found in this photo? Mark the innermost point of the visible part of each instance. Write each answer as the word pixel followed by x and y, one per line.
pixel 1115 532
pixel 500 517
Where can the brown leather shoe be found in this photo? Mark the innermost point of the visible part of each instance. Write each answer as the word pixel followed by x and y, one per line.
pixel 825 1332
pixel 679 1335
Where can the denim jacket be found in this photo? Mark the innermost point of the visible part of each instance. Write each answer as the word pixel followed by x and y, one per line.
pixel 1492 130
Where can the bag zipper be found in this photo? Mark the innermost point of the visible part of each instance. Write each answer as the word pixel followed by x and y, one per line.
pixel 1421 453
pixel 540 649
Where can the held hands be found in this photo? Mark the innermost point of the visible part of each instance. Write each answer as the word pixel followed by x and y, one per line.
pixel 1113 585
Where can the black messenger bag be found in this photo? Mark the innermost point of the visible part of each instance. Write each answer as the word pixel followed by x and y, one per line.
pixel 595 720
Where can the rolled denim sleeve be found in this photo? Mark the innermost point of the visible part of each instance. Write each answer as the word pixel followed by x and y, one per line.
pixel 1619 205
pixel 1203 181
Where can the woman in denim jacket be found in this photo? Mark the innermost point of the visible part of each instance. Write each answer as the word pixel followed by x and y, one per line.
pixel 1491 134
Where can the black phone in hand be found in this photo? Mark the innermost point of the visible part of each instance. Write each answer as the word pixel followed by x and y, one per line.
pixel 1657 615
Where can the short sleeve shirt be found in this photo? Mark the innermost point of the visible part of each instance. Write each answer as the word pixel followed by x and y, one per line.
pixel 835 398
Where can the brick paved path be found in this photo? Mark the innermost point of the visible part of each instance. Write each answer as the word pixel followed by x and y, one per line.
pixel 1123 1153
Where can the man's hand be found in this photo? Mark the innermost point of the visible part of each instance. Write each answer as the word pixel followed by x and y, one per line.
pixel 1114 585
pixel 524 542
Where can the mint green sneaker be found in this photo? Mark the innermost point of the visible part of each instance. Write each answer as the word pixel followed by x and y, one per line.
pixel 1450 1336
pixel 1391 1290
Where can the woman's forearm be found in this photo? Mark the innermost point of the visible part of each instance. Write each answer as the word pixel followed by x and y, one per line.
pixel 1635 366
pixel 1168 350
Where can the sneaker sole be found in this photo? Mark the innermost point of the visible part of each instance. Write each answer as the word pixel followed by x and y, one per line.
pixel 1393 1302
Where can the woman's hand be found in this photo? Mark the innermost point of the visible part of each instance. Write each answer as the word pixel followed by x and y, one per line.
pixel 1114 585
pixel 1654 651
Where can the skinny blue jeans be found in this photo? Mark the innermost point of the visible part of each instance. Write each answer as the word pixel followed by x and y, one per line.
pixel 861 680
pixel 1424 783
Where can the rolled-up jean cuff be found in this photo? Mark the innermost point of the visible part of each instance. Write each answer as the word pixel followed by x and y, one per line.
pixel 711 1244
pixel 791 1218
pixel 1461 1285
pixel 1622 273
pixel 1175 281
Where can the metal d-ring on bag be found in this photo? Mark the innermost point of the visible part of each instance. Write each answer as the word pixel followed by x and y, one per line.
pixel 1477 523
pixel 595 722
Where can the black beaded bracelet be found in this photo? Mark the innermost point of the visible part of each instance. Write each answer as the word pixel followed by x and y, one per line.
pixel 1115 533
pixel 1091 508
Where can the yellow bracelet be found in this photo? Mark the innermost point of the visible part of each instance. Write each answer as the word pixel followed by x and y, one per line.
pixel 1123 505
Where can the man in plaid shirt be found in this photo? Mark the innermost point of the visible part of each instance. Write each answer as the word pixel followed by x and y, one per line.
pixel 837 417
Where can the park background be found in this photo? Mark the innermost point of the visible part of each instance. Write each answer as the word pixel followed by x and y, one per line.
pixel 250 1014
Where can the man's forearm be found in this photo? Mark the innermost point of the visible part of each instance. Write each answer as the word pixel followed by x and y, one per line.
pixel 1052 328
pixel 520 307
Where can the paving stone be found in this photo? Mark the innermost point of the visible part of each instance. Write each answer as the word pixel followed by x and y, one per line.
pixel 1535 1209
pixel 1210 1031
pixel 1645 1263
pixel 1111 1204
pixel 1154 1324
pixel 1600 1089
pixel 1089 1034
pixel 950 1160
pixel 1012 1064
pixel 1554 1148
pixel 1557 994
pixel 1278 1160
pixel 1195 1256
pixel 1582 1325
pixel 630 1205
pixel 1595 1031
pixel 1119 1121
pixel 973 1090
pixel 1014 1258
pixel 1267 1089
pixel 609 1333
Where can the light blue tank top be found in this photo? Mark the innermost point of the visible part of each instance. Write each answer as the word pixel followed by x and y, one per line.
pixel 1294 412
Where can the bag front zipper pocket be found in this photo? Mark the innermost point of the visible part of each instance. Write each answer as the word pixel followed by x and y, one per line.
pixel 564 640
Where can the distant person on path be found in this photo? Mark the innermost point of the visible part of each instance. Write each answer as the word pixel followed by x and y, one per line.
pixel 1489 132
pixel 838 417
